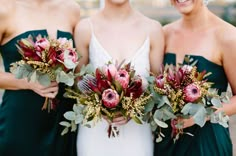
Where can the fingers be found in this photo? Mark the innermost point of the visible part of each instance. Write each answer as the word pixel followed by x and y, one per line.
pixel 187 122
pixel 120 121
pixel 49 91
pixel 117 121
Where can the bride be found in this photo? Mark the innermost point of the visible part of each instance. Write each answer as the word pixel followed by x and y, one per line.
pixel 114 34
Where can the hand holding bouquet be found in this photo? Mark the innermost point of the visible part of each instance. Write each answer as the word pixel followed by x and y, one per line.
pixel 181 93
pixel 108 91
pixel 46 60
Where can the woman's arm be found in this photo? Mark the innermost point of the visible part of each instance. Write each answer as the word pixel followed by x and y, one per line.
pixel 82 37
pixel 157 46
pixel 228 48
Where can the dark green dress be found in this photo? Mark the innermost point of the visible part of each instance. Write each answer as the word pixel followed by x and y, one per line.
pixel 210 140
pixel 26 130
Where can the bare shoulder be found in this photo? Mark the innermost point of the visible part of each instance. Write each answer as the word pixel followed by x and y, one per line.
pixel 171 28
pixel 7 9
pixel 152 26
pixel 226 35
pixel 83 30
pixel 83 26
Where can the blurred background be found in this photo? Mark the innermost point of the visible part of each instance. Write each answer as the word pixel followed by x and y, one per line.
pixel 162 11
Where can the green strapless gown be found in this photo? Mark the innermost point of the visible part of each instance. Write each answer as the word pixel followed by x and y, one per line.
pixel 26 130
pixel 210 140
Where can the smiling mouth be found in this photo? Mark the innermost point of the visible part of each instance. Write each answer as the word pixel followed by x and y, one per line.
pixel 181 1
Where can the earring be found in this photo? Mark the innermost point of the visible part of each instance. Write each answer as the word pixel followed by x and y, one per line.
pixel 206 2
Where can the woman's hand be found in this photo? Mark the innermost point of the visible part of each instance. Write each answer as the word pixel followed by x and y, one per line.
pixel 189 122
pixel 49 91
pixel 118 120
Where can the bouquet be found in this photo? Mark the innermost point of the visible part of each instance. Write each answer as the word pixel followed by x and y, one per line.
pixel 45 60
pixel 183 92
pixel 108 91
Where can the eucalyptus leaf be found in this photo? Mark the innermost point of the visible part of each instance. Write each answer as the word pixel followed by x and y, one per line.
pixel 78 108
pixel 44 79
pixel 67 78
pixel 162 101
pixel 161 134
pixel 149 106
pixel 167 114
pixel 197 111
pixel 70 115
pixel 85 69
pixel 150 79
pixel 158 114
pixel 73 127
pixel 79 118
pixel 154 127
pixel 159 139
pixel 66 130
pixel 33 77
pixel 22 72
pixel 160 123
pixel 65 123
pixel 216 102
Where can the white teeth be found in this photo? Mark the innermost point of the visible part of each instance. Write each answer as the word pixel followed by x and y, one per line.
pixel 182 1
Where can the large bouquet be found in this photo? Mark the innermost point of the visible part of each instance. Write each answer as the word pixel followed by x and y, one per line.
pixel 45 60
pixel 108 91
pixel 183 92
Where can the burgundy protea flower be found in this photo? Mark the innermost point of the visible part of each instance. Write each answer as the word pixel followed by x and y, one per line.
pixel 26 48
pixel 101 83
pixel 110 98
pixel 174 77
pixel 192 93
pixel 122 77
pixel 135 88
pixel 53 55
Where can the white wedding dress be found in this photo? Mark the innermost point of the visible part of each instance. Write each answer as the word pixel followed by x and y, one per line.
pixel 134 139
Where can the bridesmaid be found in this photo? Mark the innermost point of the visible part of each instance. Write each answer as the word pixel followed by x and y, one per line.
pixel 25 129
pixel 211 41
pixel 115 33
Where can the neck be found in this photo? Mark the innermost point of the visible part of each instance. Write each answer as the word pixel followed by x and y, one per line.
pixel 196 20
pixel 117 11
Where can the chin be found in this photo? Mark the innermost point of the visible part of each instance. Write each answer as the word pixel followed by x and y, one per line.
pixel 185 6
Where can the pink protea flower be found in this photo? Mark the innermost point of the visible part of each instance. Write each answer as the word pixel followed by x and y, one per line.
pixel 69 58
pixel 110 98
pixel 192 93
pixel 42 44
pixel 122 77
pixel 160 81
pixel 64 42
pixel 110 68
